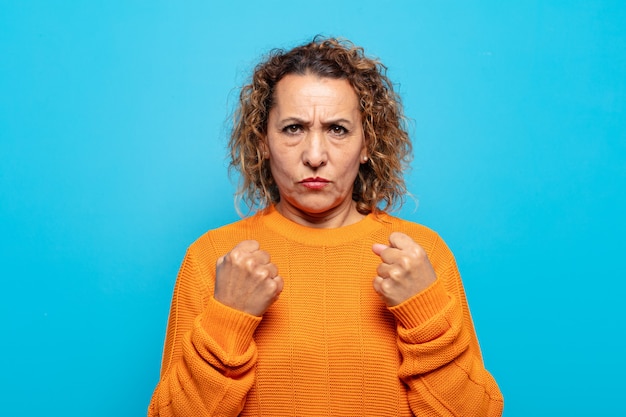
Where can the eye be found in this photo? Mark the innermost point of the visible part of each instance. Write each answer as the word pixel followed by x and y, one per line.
pixel 292 129
pixel 338 130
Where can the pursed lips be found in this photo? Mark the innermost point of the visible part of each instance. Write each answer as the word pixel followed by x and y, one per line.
pixel 316 183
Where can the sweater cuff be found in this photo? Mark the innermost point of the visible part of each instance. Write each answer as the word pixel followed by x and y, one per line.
pixel 232 329
pixel 422 307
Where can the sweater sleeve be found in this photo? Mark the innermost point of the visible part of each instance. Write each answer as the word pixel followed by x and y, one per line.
pixel 441 360
pixel 209 355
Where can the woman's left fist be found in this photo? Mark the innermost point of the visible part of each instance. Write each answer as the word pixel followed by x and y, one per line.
pixel 404 271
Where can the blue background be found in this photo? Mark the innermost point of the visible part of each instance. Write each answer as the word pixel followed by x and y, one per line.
pixel 113 124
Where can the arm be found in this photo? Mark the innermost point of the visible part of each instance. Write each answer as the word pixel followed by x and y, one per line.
pixel 441 360
pixel 209 354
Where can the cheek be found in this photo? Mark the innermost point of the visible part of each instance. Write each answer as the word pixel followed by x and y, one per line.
pixel 349 172
pixel 280 171
pixel 354 163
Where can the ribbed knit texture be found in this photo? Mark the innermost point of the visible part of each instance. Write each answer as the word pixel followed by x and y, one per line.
pixel 329 346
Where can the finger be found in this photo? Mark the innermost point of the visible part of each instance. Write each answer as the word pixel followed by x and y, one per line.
pixel 242 251
pixel 261 257
pixel 380 286
pixel 257 263
pixel 388 254
pixel 377 283
pixel 400 240
pixel 387 271
pixel 279 284
pixel 273 271
pixel 378 248
pixel 273 288
pixel 269 271
pixel 247 246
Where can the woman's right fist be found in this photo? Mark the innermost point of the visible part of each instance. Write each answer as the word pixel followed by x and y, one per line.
pixel 246 279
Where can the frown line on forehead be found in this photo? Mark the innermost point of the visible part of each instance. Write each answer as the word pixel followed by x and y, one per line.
pixel 307 122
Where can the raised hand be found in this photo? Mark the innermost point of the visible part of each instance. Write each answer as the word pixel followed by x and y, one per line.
pixel 404 271
pixel 246 280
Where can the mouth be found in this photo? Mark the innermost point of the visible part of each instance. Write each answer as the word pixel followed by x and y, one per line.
pixel 316 183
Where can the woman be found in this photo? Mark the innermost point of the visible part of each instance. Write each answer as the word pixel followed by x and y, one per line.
pixel 321 303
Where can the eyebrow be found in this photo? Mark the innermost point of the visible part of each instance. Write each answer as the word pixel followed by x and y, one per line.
pixel 296 120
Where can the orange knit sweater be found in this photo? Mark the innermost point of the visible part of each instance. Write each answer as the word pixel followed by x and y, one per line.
pixel 328 346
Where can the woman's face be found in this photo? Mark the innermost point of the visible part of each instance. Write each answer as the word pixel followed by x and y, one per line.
pixel 315 144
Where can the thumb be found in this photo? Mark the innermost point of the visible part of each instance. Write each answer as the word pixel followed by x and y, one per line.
pixel 400 240
pixel 378 248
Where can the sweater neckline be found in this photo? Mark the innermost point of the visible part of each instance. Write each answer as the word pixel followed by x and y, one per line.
pixel 293 231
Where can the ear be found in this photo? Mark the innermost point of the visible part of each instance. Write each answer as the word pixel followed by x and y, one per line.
pixel 364 157
pixel 264 149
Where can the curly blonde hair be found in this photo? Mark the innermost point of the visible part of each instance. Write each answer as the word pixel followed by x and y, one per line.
pixel 380 183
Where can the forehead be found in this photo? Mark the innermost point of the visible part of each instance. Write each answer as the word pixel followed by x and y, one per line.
pixel 312 90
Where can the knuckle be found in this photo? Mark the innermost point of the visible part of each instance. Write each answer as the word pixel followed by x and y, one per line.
pixel 387 286
pixel 261 273
pixel 406 263
pixel 419 252
pixel 248 263
pixel 395 274
pixel 273 270
pixel 271 286
pixel 234 255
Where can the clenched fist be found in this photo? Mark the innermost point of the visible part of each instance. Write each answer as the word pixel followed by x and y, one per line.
pixel 404 271
pixel 246 280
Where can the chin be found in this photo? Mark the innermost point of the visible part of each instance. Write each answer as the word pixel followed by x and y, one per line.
pixel 314 209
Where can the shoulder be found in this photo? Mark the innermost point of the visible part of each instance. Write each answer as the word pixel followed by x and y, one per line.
pixel 413 229
pixel 423 235
pixel 224 238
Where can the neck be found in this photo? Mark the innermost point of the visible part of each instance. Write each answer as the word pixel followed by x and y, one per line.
pixel 329 219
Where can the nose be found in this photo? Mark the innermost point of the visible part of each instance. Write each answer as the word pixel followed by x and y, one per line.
pixel 315 152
